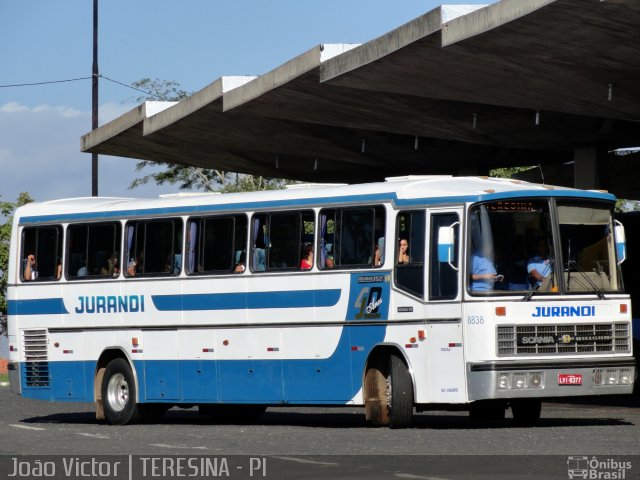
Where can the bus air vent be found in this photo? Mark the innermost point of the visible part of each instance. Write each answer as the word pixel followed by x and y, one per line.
pixel 34 346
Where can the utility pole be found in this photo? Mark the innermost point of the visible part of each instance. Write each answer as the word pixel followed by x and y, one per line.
pixel 94 99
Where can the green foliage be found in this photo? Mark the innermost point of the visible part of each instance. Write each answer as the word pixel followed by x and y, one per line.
pixel 204 179
pixel 6 212
pixel 624 205
pixel 236 182
pixel 507 172
pixel 167 90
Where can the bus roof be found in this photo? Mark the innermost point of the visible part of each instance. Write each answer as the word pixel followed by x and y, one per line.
pixel 401 191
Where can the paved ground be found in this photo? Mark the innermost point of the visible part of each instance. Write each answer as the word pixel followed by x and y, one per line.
pixel 604 426
pixel 319 443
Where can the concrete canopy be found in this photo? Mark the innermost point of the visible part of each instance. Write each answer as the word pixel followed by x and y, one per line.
pixel 461 89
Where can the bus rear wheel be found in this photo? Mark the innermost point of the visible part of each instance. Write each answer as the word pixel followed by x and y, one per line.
pixel 526 411
pixel 388 393
pixel 119 393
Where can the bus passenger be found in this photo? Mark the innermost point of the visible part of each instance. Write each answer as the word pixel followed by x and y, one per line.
pixel 483 273
pixel 110 266
pixel 307 257
pixel 30 271
pixel 134 265
pixel 240 266
pixel 540 266
pixel 82 271
pixel 403 255
pixel 377 257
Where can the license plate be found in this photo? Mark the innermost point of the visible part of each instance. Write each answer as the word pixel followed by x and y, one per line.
pixel 569 379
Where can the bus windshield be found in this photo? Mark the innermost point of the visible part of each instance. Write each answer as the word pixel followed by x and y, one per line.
pixel 512 249
pixel 588 247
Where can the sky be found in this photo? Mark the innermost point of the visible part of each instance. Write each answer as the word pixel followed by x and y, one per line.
pixel 192 42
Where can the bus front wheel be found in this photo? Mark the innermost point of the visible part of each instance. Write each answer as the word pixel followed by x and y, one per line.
pixel 388 393
pixel 119 393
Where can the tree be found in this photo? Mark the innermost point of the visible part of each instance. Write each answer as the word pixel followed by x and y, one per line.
pixel 205 179
pixel 507 172
pixel 192 178
pixel 166 90
pixel 6 212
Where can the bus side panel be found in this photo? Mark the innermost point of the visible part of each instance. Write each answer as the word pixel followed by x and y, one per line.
pixel 315 366
pixel 198 372
pixel 67 366
pixel 250 367
pixel 446 366
pixel 161 377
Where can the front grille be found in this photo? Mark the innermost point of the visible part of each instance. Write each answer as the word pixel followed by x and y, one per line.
pixel 34 346
pixel 562 339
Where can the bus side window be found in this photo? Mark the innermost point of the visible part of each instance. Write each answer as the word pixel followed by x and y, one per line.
pixel 41 253
pixel 93 250
pixel 153 247
pixel 443 275
pixel 279 239
pixel 216 244
pixel 284 241
pixel 352 237
pixel 410 236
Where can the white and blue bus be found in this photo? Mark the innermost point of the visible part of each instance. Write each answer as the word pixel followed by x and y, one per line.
pixel 409 294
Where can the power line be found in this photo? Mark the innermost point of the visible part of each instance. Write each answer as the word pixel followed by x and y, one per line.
pixel 44 83
pixel 83 78
pixel 132 87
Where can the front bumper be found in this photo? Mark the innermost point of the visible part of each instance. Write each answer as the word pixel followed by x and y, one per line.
pixel 483 378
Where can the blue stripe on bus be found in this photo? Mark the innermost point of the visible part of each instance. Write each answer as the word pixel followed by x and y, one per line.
pixel 310 202
pixel 334 380
pixel 248 300
pixel 39 306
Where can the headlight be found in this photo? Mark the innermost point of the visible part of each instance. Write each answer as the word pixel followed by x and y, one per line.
pixel 613 376
pixel 520 380
pixel 504 381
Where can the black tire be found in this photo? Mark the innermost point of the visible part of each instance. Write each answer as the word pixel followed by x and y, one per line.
pixel 526 411
pixel 376 392
pixel 487 410
pixel 400 395
pixel 152 412
pixel 119 393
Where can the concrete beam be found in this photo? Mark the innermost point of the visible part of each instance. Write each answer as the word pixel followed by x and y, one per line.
pixel 283 74
pixel 397 39
pixel 132 118
pixel 488 18
pixel 201 99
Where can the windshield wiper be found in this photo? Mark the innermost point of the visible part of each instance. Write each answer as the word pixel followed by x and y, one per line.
pixel 536 286
pixel 533 290
pixel 594 287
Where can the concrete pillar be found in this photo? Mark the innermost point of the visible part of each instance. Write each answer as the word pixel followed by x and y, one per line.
pixel 591 168
pixel 585 168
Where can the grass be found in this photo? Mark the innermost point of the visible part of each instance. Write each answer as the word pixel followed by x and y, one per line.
pixel 4 377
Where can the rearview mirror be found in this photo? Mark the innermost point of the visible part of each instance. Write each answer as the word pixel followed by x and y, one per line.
pixel 621 242
pixel 446 240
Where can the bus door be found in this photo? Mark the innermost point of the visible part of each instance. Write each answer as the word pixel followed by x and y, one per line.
pixel 446 366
